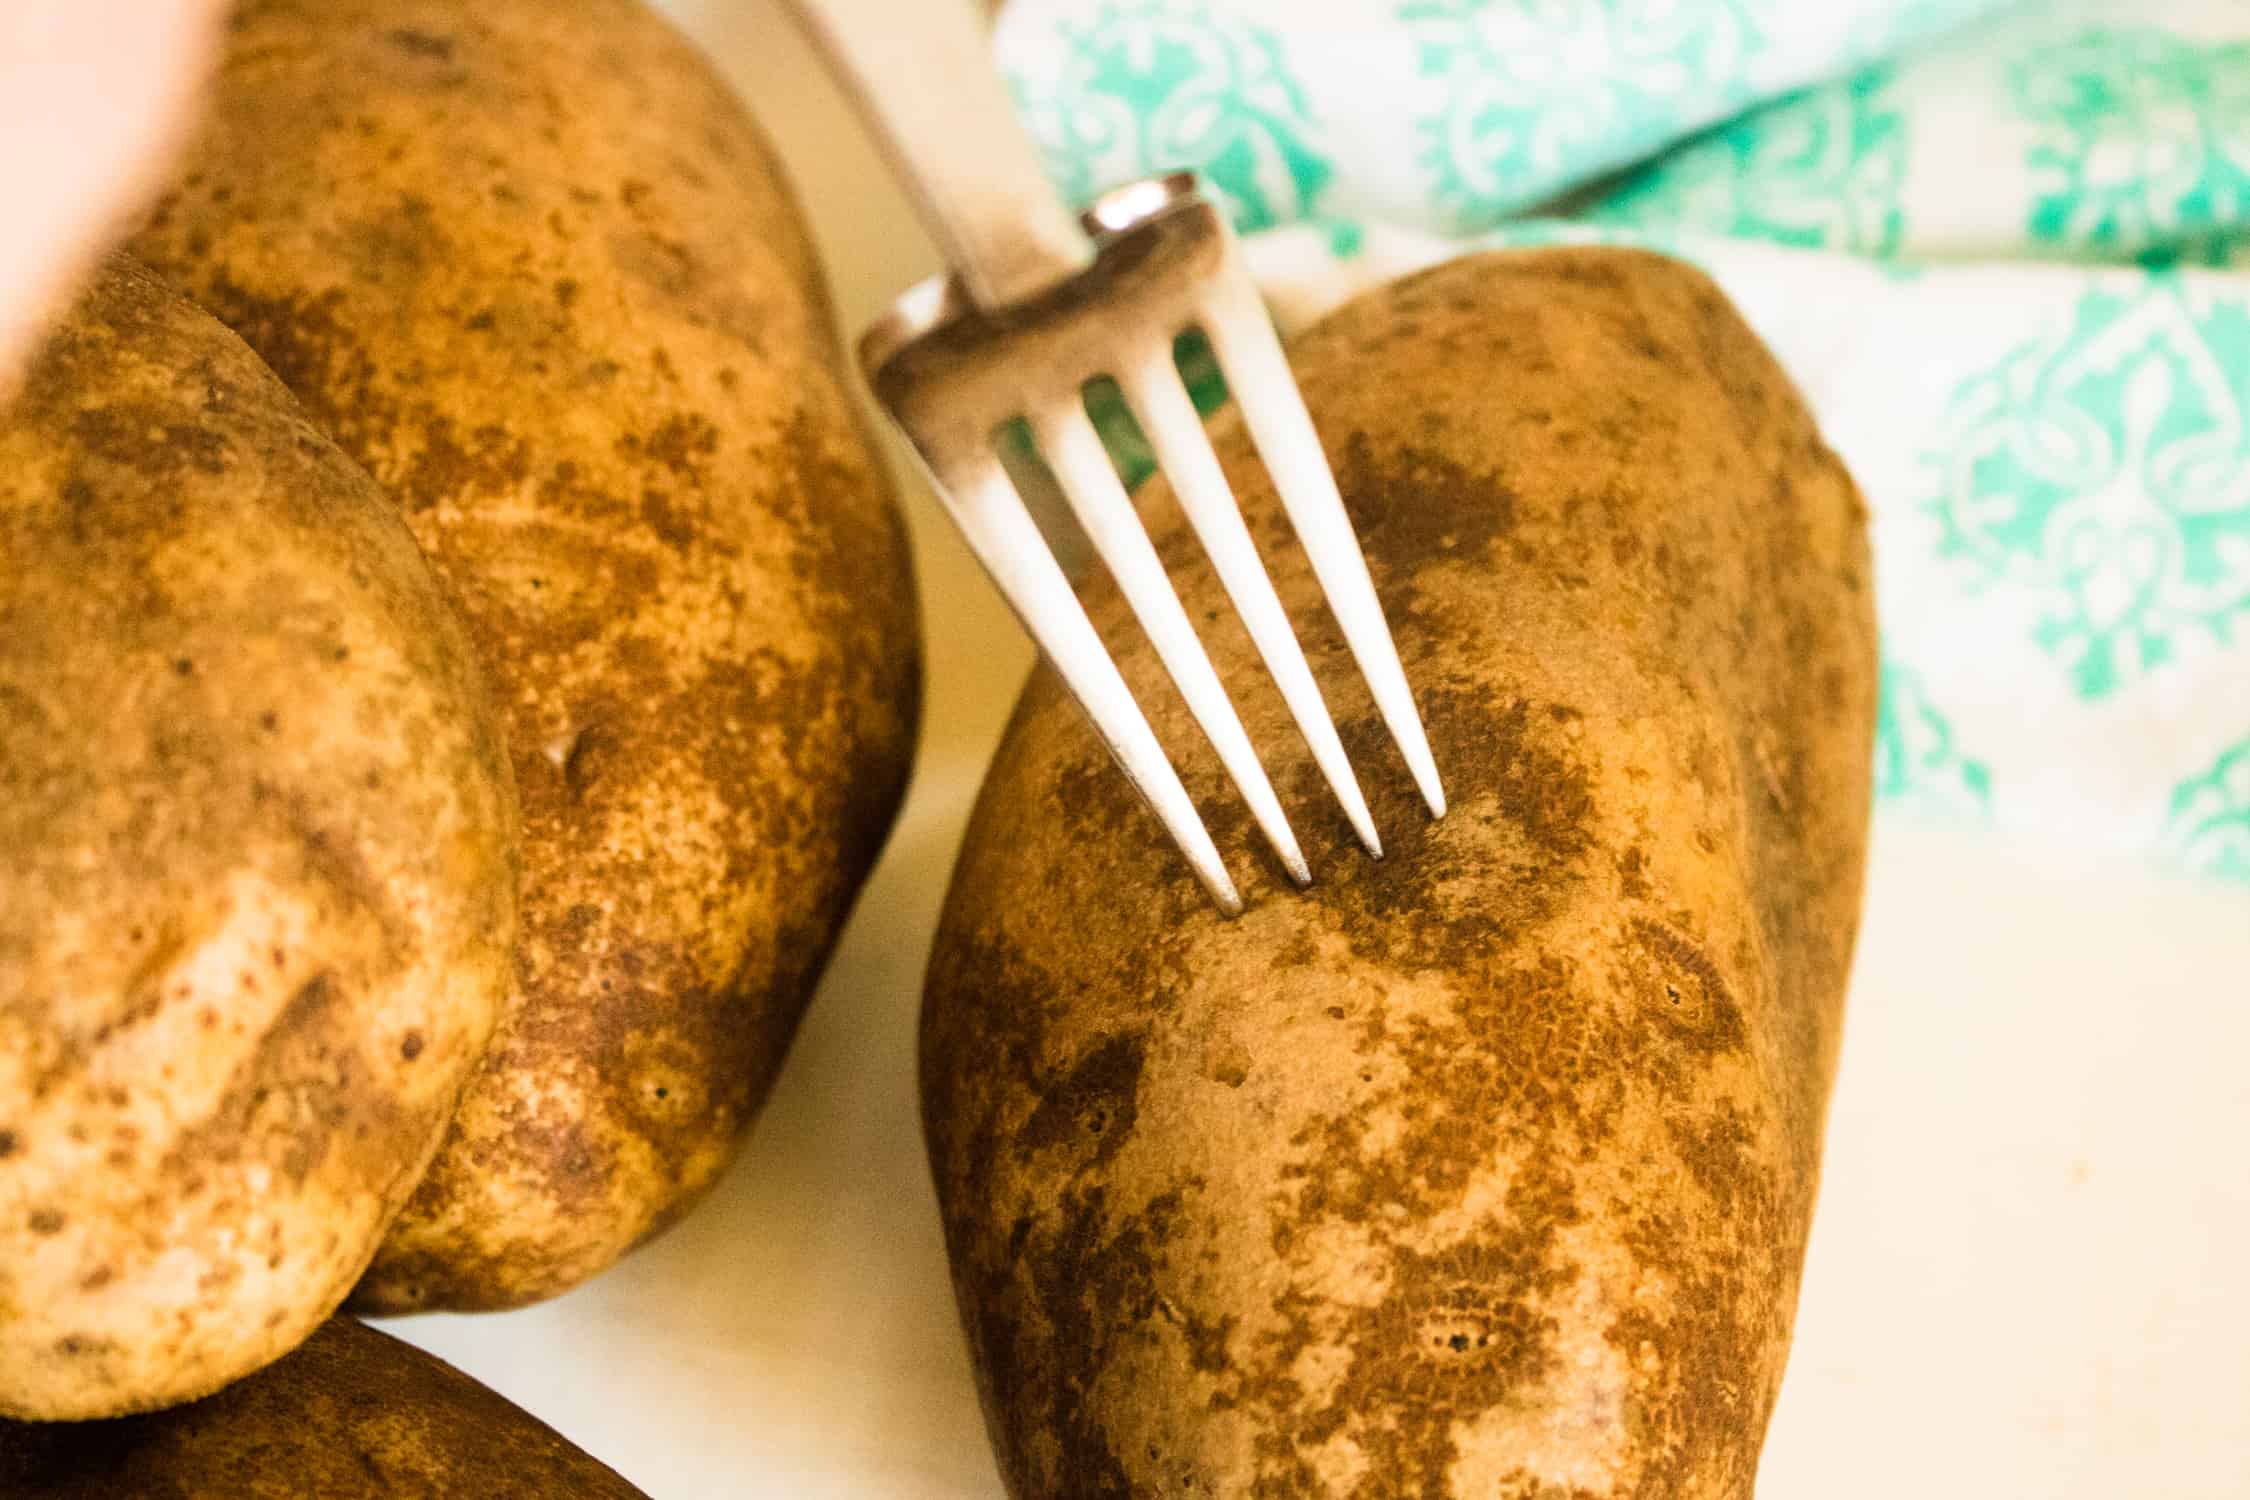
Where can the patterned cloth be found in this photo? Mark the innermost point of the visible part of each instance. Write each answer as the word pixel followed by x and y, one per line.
pixel 1991 242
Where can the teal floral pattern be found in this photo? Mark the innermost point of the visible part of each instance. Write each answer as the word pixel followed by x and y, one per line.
pixel 1916 758
pixel 1153 87
pixel 2105 474
pixel 1823 171
pixel 1524 98
pixel 2144 144
pixel 2209 825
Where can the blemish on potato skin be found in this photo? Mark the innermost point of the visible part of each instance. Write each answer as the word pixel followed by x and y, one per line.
pixel 1518 1205
pixel 423 44
pixel 682 444
pixel 1682 991
pixel 1096 1264
pixel 1093 1109
pixel 152 438
pixel 300 1093
pixel 1423 505
pixel 1459 1331
pixel 1632 881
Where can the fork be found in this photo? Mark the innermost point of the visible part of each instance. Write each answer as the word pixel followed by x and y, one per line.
pixel 1040 302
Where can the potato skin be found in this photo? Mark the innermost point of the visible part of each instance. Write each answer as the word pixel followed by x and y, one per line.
pixel 257 863
pixel 1484 1170
pixel 353 1415
pixel 534 266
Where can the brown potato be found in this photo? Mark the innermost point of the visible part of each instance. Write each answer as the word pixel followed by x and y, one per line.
pixel 257 864
pixel 353 1415
pixel 534 266
pixel 1485 1169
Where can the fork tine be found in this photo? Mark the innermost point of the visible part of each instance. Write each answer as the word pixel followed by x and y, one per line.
pixel 1160 403
pixel 1096 496
pixel 1258 374
pixel 1000 531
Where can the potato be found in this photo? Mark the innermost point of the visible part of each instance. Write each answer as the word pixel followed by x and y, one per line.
pixel 1485 1169
pixel 257 864
pixel 353 1415
pixel 533 266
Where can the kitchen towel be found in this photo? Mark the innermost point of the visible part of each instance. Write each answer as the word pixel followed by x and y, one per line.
pixel 1995 245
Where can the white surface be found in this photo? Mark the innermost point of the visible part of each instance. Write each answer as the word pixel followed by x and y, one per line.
pixel 2027 1276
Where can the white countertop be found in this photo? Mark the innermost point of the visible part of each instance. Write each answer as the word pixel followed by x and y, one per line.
pixel 2030 1275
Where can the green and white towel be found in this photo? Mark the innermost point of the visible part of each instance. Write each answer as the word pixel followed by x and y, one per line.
pixel 1992 243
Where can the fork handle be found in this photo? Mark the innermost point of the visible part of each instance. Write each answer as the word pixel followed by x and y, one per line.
pixel 919 73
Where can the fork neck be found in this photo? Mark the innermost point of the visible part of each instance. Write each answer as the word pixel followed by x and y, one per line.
pixel 920 75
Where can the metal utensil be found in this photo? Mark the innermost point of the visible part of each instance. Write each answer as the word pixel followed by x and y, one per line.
pixel 1041 301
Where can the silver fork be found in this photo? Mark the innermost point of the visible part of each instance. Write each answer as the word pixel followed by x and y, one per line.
pixel 1041 302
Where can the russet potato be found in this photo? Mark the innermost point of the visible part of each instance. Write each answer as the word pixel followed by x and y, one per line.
pixel 533 265
pixel 1484 1170
pixel 352 1415
pixel 258 855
